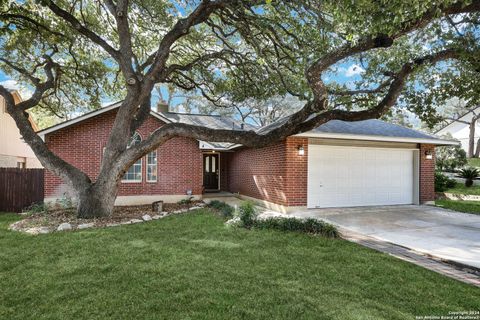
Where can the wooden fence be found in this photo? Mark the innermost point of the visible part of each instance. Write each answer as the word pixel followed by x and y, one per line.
pixel 19 188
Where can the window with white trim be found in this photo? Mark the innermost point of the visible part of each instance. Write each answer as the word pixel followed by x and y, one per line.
pixel 152 166
pixel 134 173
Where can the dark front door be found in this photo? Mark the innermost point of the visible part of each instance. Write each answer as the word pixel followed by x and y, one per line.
pixel 210 171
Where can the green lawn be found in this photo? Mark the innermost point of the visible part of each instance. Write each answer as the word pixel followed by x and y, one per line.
pixel 458 205
pixel 474 162
pixel 193 267
pixel 461 189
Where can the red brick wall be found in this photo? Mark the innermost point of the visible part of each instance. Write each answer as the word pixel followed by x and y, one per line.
pixel 259 173
pixel 279 174
pixel 276 173
pixel 296 175
pixel 179 159
pixel 224 158
pixel 427 174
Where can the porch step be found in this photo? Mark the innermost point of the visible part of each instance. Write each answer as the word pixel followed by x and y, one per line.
pixel 220 194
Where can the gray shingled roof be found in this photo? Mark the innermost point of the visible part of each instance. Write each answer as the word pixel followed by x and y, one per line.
pixel 209 121
pixel 372 127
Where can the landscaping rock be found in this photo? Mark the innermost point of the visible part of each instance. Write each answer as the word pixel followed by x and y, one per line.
pixel 64 227
pixel 202 204
pixel 38 230
pixel 86 225
pixel 147 217
pixel 178 211
pixel 233 222
pixel 126 222
pixel 194 208
pixel 136 221
pixel 113 224
pixel 15 226
pixel 156 217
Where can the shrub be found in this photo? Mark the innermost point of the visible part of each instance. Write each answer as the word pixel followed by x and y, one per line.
pixel 185 201
pixel 469 174
pixel 247 214
pixel 66 201
pixel 225 209
pixel 36 208
pixel 311 226
pixel 442 182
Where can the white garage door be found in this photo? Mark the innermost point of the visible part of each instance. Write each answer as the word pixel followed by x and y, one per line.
pixel 358 176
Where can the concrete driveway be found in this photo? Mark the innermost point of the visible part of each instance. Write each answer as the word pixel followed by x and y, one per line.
pixel 442 233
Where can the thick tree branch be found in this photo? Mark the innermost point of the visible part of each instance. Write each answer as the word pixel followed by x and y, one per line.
pixel 314 72
pixel 77 25
pixel 299 122
pixel 40 87
pixel 75 178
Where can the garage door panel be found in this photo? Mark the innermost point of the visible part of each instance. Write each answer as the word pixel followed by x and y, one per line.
pixel 356 176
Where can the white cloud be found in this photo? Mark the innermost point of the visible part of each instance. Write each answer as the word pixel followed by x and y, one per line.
pixel 354 70
pixel 13 85
pixel 10 84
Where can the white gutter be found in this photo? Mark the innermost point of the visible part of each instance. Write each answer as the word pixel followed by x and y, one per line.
pixel 327 135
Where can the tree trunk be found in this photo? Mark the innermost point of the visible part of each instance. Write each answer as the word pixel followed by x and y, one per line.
pixel 471 138
pixel 477 151
pixel 96 201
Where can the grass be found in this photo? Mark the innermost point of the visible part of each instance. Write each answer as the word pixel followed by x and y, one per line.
pixel 460 188
pixel 193 267
pixel 474 162
pixel 461 206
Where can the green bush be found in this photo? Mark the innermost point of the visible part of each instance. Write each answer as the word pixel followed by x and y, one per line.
pixel 469 174
pixel 247 214
pixel 36 208
pixel 185 201
pixel 225 209
pixel 311 226
pixel 442 182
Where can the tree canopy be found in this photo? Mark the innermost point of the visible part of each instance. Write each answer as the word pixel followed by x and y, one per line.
pixel 413 54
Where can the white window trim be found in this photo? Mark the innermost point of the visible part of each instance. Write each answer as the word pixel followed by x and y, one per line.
pixel 141 163
pixel 156 167
pixel 141 176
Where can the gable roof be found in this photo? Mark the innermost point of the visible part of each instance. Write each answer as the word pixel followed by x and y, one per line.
pixel 372 129
pixel 209 121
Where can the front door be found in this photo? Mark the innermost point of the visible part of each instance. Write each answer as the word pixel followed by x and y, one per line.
pixel 210 171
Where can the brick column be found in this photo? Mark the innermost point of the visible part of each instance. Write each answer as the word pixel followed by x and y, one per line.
pixel 427 174
pixel 296 171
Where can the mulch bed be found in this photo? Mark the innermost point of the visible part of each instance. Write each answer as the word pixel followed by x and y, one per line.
pixel 53 217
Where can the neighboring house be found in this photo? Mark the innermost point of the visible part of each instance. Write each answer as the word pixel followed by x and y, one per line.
pixel 338 164
pixel 14 152
pixel 459 128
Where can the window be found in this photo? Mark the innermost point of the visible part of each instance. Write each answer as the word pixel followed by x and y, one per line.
pixel 134 173
pixel 135 139
pixel 152 167
pixel 21 165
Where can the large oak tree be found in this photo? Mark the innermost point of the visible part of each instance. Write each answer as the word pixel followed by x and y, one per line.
pixel 75 53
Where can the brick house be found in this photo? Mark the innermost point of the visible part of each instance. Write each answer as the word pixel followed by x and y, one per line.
pixel 338 164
